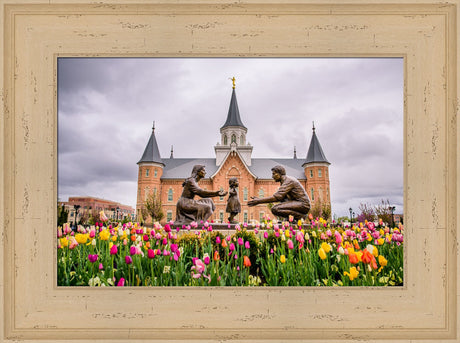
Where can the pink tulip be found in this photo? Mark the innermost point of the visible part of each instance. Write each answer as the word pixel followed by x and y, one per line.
pixel 265 234
pixel 132 250
pixel 232 247
pixel 290 244
pixel 246 245
pixel 240 241
pixel 174 247
pixel 167 228
pixel 128 259
pixel 113 250
pixel 101 266
pixel 121 282
pixel 92 258
pixel 206 260
pixel 150 253
pixel 218 240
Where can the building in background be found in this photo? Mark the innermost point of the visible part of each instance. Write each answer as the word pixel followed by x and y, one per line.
pixel 233 158
pixel 86 207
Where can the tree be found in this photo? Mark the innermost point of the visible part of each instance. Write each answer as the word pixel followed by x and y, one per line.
pixel 63 215
pixel 153 207
pixel 317 210
pixel 367 213
pixel 383 211
pixel 326 211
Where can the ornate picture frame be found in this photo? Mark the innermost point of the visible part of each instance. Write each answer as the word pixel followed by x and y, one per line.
pixel 35 34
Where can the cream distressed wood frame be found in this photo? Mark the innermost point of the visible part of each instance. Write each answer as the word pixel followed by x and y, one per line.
pixel 36 34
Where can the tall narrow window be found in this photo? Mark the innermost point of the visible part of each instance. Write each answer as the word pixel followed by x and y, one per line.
pixel 147 172
pixel 311 173
pixel 261 193
pixel 312 195
pixel 221 216
pixel 225 140
pixel 320 174
pixel 245 216
pixel 155 173
pixel 233 138
pixel 261 216
pixel 221 198
pixel 242 140
pixel 168 216
pixel 245 194
pixel 170 194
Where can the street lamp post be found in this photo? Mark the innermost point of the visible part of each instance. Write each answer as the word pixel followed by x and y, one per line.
pixel 117 212
pixel 351 218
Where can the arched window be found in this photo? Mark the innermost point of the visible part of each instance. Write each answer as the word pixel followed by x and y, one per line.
pixel 155 173
pixel 225 140
pixel 245 194
pixel 312 194
pixel 233 138
pixel 320 174
pixel 261 193
pixel 170 194
pixel 311 173
pixel 147 172
pixel 242 140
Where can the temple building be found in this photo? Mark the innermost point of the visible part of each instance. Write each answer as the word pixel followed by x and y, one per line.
pixel 233 158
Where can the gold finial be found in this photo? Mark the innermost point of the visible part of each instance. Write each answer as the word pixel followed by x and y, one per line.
pixel 233 80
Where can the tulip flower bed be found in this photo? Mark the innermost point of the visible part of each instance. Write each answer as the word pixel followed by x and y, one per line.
pixel 265 255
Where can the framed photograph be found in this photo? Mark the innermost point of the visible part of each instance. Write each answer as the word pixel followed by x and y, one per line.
pixel 35 35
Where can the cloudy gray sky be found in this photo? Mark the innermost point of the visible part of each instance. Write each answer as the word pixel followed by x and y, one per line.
pixel 106 107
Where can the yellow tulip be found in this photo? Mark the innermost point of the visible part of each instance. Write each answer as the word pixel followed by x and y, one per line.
pixel 81 238
pixel 104 235
pixel 288 234
pixel 322 254
pixel 382 261
pixel 282 259
pixel 326 247
pixel 353 274
pixel 64 242
pixel 380 241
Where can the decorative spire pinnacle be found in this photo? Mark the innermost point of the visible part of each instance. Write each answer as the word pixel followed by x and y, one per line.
pixel 295 153
pixel 233 80
pixel 313 126
pixel 172 152
pixel 153 126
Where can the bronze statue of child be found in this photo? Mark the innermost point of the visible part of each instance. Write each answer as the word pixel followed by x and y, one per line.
pixel 233 203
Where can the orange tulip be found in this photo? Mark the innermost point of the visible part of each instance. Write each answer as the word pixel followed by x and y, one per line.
pixel 224 243
pixel 353 258
pixel 246 261
pixel 216 256
pixel 133 238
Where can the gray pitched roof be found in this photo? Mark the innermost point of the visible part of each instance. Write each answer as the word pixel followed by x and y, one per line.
pixel 151 152
pixel 315 152
pixel 233 116
pixel 181 168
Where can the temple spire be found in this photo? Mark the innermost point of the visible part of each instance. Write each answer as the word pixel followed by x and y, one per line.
pixel 233 80
pixel 295 153
pixel 151 152
pixel 172 152
pixel 315 152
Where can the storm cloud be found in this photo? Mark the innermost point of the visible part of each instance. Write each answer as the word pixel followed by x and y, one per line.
pixel 107 106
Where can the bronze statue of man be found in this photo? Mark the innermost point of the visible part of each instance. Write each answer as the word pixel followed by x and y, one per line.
pixel 292 198
pixel 188 209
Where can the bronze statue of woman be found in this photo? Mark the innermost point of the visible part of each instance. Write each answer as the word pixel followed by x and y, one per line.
pixel 188 209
